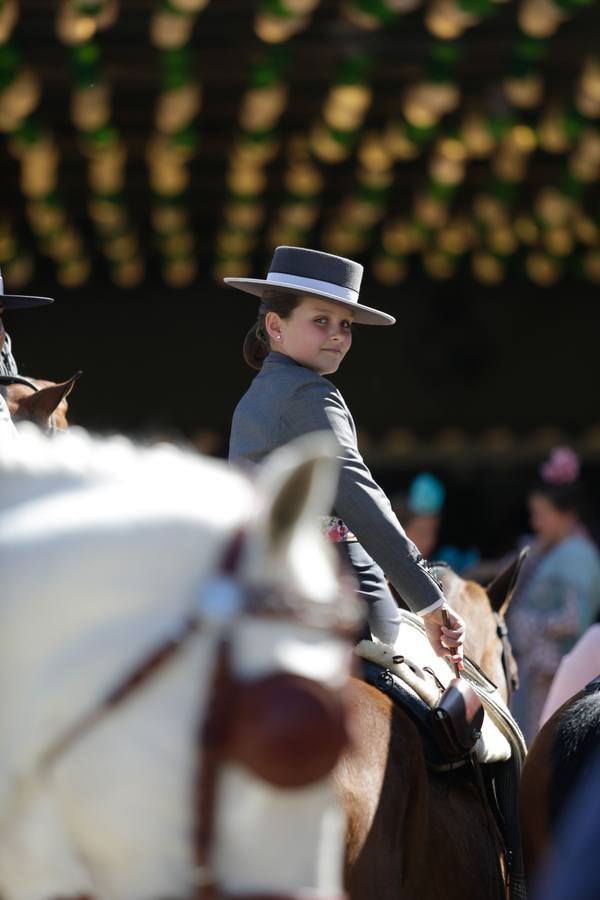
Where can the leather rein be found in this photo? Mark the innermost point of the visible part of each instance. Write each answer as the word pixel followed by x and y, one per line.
pixel 18 379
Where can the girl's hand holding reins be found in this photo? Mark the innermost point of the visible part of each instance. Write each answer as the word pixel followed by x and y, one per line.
pixel 446 639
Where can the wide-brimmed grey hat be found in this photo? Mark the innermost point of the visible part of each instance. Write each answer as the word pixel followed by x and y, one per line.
pixel 20 301
pixel 302 271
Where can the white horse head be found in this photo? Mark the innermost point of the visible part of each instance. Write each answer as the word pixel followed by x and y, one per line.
pixel 107 550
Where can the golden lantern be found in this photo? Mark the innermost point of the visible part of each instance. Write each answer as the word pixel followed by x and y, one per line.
pixel 553 207
pixel 239 265
pixel 128 273
pixel 190 7
pixel 169 30
pixel 438 266
pixel 244 215
pixel 325 146
pixel 477 138
pixel 74 272
pixel 299 215
pixel 558 241
pixel 246 181
pixel 360 213
pixel 39 164
pixel 74 27
pixel 262 107
pixel 275 29
pixel 18 271
pixel 8 246
pixel 169 179
pixel 375 180
pixel 343 240
pixel 108 15
pixel 489 210
pixel 106 172
pixel 509 166
pixel 446 171
pixel 526 230
pixel 18 100
pixel 177 243
pixel 179 273
pixel 552 135
pixel 236 243
pixel 398 143
pixel 44 217
pixel 454 238
pixel 591 265
pixel 586 230
pixel 176 108
pixel 121 246
pixel 447 21
pixel 501 240
pixel 281 235
pixel 487 268
pixel 539 18
pixel 346 105
pixel 63 245
pixel 373 153
pixel 389 270
pixel 400 238
pixel 525 92
pixel 542 269
pixel 436 99
pixel 430 211
pixel 90 107
pixel 9 13
pixel 169 217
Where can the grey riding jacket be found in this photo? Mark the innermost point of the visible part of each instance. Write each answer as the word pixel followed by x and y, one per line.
pixel 287 400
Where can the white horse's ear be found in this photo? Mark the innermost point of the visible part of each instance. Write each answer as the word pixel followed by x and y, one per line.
pixel 298 483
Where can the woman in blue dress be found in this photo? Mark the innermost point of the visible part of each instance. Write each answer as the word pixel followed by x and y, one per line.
pixel 558 595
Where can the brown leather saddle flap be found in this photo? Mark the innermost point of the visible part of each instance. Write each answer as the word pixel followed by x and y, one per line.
pixel 457 718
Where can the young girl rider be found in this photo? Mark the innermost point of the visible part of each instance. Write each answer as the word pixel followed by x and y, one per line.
pixel 309 304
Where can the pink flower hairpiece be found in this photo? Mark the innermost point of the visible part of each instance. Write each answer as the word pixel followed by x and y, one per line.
pixel 562 467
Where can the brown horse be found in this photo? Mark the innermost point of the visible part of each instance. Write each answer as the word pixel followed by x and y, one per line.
pixel 414 834
pixel 42 402
pixel 560 754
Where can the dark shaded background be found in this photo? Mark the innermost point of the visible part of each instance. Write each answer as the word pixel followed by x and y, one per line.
pixel 460 355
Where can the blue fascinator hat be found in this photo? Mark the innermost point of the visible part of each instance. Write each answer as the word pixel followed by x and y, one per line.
pixel 426 495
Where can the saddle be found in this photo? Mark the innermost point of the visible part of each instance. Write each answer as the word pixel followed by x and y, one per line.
pixel 448 712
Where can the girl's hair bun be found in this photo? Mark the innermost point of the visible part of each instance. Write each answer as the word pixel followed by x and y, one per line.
pixel 561 467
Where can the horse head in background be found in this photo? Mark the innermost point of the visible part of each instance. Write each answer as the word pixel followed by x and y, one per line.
pixel 41 402
pixel 173 659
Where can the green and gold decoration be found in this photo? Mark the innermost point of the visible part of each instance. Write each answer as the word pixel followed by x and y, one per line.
pixel 405 159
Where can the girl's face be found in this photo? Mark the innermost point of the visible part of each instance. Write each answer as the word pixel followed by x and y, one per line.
pixel 317 334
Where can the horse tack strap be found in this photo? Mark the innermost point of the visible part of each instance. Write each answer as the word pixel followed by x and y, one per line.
pixel 6 380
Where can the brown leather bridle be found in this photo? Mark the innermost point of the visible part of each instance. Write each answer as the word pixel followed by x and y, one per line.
pixel 248 722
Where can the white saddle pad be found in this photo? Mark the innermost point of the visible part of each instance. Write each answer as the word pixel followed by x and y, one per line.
pixel 411 656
